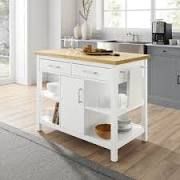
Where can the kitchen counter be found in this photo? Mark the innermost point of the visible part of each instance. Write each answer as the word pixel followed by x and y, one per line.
pixel 162 45
pixel 81 81
pixel 88 40
pixel 77 54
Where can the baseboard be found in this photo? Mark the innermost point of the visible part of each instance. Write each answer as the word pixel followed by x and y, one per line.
pixel 164 102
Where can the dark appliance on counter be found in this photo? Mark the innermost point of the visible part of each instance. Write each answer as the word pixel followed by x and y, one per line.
pixel 161 32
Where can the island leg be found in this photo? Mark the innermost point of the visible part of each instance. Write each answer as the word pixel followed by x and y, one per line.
pixel 145 106
pixel 38 97
pixel 114 117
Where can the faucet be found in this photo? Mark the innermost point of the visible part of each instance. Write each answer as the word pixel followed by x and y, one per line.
pixel 133 35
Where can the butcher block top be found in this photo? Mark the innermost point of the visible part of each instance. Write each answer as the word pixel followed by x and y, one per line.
pixel 78 54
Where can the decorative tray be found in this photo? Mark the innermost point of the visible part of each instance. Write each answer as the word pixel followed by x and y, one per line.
pixel 105 53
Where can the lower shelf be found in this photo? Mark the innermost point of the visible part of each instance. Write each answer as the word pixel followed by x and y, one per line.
pixel 123 139
pixel 107 111
pixel 45 120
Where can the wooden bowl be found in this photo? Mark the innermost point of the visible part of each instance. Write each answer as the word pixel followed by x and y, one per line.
pixel 103 131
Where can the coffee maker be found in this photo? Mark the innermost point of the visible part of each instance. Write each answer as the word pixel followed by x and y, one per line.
pixel 161 32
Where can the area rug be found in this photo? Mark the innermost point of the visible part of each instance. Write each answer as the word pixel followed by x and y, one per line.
pixel 27 157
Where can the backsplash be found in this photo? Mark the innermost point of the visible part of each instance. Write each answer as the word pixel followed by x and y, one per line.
pixel 117 34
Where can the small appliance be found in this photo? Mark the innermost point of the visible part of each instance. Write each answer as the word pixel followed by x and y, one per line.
pixel 161 32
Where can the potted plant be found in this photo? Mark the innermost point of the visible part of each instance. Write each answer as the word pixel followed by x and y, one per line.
pixel 84 13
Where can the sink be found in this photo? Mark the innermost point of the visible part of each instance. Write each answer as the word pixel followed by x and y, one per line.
pixel 123 46
pixel 127 42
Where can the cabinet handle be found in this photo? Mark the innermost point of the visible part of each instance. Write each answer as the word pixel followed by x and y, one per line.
pixel 178 79
pixel 164 51
pixel 57 67
pixel 51 66
pixel 90 72
pixel 80 101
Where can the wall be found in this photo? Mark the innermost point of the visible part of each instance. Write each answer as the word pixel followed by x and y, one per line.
pixel 62 19
pixel 54 23
pixel 68 16
pixel 31 35
pixel 20 45
pixel 40 24
pixel 37 34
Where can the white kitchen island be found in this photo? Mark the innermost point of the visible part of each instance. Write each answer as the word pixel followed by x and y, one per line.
pixel 88 94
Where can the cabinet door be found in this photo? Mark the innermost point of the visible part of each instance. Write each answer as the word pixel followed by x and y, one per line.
pixel 163 77
pixel 72 105
pixel 177 81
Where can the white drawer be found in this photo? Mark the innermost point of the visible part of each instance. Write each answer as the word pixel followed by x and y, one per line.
pixel 55 67
pixel 90 72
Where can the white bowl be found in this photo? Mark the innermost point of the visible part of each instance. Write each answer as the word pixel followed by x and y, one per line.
pixel 178 42
pixel 123 100
pixel 172 41
pixel 53 87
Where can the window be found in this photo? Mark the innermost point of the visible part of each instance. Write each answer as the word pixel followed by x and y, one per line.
pixel 138 14
pixel 7 40
pixel 4 38
pixel 168 10
pixel 127 13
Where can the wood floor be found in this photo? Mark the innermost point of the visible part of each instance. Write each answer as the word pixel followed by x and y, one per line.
pixel 157 159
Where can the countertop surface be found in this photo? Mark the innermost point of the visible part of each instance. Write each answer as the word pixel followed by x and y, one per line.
pixel 163 45
pixel 88 40
pixel 77 54
pixel 148 44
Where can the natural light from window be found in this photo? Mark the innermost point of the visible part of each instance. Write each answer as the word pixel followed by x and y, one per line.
pixel 138 14
pixel 4 39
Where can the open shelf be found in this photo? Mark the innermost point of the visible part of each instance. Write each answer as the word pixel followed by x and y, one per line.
pixel 106 111
pixel 49 95
pixel 123 138
pixel 46 120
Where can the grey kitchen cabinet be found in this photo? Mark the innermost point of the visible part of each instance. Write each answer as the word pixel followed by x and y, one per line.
pixel 164 76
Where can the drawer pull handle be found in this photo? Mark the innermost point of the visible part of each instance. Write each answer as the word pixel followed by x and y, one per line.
pixel 57 67
pixel 51 66
pixel 164 51
pixel 123 72
pixel 90 72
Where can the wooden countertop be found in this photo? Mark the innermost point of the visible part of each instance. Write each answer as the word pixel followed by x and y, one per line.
pixel 77 54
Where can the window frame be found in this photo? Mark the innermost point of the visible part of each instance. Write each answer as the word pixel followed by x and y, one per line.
pixel 153 11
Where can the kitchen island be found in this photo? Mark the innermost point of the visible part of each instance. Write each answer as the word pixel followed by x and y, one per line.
pixel 92 90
